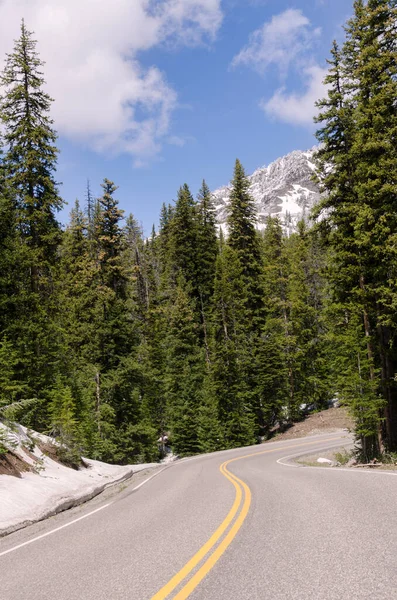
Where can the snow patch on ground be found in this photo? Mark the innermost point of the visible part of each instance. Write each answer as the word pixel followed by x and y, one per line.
pixel 169 458
pixel 51 487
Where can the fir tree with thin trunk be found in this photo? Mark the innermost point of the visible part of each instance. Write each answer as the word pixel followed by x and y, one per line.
pixel 184 372
pixel 358 170
pixel 31 155
pixel 29 166
pixel 230 371
pixel 207 244
pixel 243 238
pixel 183 240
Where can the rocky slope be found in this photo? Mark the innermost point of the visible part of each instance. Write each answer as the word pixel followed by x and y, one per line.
pixel 284 189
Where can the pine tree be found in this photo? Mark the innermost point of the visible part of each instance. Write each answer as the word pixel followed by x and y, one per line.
pixel 135 265
pixel 12 389
pixel 232 353
pixel 10 255
pixel 31 157
pixel 78 289
pixel 29 166
pixel 207 244
pixel 209 429
pixel 90 209
pixel 119 375
pixel 183 240
pixel 80 322
pixel 64 424
pixel 307 345
pixel 243 238
pixel 273 379
pixel 163 241
pixel 110 240
pixel 373 148
pixel 184 373
pixel 206 254
pixel 98 287
pixel 360 217
pixel 335 135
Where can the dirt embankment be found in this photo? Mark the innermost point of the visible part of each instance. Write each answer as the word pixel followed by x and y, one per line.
pixel 12 464
pixel 326 421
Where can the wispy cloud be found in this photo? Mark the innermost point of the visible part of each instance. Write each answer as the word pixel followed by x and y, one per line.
pixel 280 42
pixel 297 108
pixel 105 98
pixel 286 43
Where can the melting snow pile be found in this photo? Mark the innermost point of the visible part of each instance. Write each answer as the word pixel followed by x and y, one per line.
pixel 48 487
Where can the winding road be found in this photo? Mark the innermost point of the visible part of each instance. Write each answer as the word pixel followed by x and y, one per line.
pixel 243 524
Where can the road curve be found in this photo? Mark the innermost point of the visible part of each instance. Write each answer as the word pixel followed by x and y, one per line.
pixel 236 524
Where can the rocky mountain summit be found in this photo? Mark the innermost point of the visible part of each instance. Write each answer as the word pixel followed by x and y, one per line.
pixel 284 189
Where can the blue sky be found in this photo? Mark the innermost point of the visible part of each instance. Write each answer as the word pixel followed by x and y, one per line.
pixel 155 93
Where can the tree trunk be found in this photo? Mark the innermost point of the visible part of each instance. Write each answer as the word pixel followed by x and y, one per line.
pixel 389 387
pixel 98 402
pixel 204 323
pixel 370 353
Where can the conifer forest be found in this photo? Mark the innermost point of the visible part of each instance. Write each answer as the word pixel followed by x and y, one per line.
pixel 110 338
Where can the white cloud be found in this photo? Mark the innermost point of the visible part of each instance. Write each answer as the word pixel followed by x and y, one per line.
pixel 104 97
pixel 190 18
pixel 286 42
pixel 295 108
pixel 280 42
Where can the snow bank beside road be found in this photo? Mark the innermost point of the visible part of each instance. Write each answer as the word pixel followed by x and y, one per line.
pixel 53 487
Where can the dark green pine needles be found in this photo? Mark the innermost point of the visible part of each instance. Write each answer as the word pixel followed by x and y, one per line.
pixel 110 339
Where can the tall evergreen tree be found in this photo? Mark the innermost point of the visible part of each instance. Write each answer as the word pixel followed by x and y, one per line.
pixel 243 238
pixel 110 239
pixel 373 147
pixel 273 380
pixel 29 167
pixel 90 208
pixel 31 156
pixel 206 255
pixel 306 333
pixel 209 428
pixel 232 356
pixel 359 209
pixel 207 244
pixel 184 373
pixel 183 239
pixel 10 259
pixel 79 321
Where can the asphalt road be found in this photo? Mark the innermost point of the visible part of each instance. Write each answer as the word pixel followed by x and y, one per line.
pixel 231 525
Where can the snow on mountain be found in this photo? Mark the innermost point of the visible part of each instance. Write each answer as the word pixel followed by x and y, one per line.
pixel 284 189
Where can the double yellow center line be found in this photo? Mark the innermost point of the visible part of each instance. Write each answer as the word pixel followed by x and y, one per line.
pixel 241 503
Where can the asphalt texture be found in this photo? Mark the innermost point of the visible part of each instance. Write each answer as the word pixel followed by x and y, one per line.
pixel 309 533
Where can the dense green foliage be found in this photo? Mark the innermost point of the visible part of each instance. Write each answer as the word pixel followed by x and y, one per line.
pixel 110 341
pixel 357 170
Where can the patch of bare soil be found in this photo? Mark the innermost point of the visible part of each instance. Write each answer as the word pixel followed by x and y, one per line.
pixel 12 464
pixel 52 451
pixel 347 458
pixel 326 421
pixel 49 450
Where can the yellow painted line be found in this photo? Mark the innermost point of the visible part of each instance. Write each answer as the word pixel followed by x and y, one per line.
pixel 216 555
pixel 198 557
pixel 191 585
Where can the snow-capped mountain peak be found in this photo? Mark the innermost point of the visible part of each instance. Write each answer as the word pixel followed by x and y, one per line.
pixel 284 189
